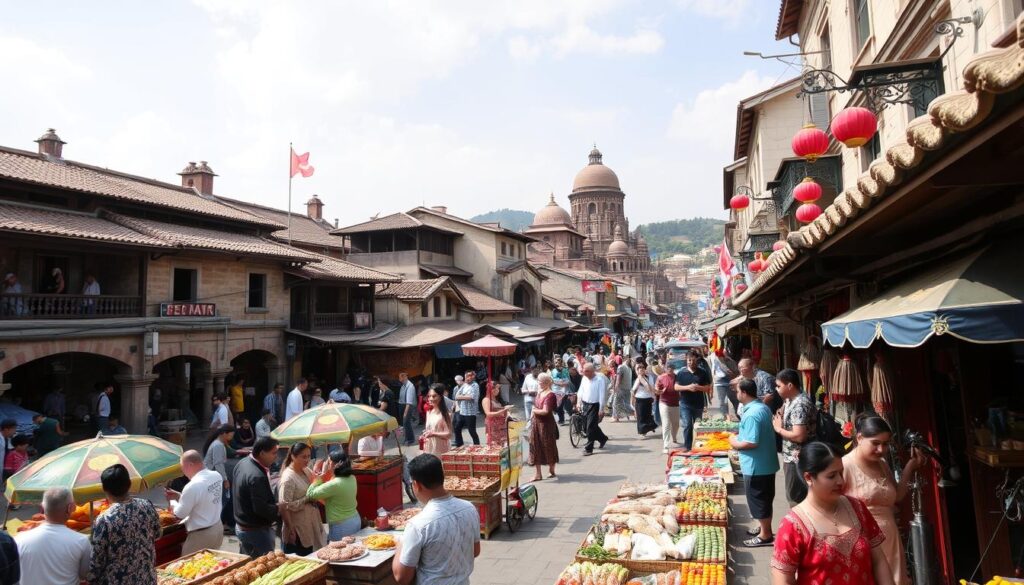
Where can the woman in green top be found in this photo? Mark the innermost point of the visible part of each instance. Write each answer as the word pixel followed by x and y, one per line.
pixel 48 434
pixel 335 486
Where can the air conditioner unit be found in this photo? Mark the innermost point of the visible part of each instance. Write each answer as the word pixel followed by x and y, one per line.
pixel 151 343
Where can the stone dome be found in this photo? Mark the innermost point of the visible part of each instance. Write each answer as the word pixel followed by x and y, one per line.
pixel 595 175
pixel 552 214
pixel 619 247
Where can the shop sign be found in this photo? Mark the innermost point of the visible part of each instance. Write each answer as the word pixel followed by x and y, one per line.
pixel 598 286
pixel 188 309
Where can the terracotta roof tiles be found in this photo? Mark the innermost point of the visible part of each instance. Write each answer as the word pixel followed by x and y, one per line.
pixel 413 290
pixel 333 269
pixel 481 302
pixel 69 224
pixel 304 230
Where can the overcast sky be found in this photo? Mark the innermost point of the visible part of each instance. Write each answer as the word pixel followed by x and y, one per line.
pixel 474 104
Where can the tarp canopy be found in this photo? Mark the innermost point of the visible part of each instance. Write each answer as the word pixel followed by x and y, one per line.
pixel 725 317
pixel 976 297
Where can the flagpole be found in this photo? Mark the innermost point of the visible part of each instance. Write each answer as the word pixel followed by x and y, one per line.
pixel 291 150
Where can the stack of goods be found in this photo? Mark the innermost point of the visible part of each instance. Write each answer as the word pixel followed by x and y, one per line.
pixel 79 520
pixel 705 504
pixel 273 568
pixel 715 425
pixel 398 519
pixel 484 464
pixel 196 566
pixel 346 549
pixel 713 443
pixel 376 464
pixel 475 461
pixel 587 573
pixel 684 469
pixel 472 486
pixel 290 572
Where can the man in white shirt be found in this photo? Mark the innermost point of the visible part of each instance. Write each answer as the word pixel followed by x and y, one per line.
pixel 407 403
pixel 220 412
pixel 530 390
pixel 295 399
pixel 199 504
pixel 263 427
pixel 592 396
pixel 103 407
pixel 52 553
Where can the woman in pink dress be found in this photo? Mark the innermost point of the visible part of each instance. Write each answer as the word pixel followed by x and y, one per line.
pixel 829 537
pixel 867 477
pixel 437 435
pixel 495 416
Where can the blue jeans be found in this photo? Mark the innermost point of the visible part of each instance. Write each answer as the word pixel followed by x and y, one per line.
pixel 255 542
pixel 657 412
pixel 687 416
pixel 408 435
pixel 346 527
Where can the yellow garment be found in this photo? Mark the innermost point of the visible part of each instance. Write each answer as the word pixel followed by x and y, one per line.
pixel 237 398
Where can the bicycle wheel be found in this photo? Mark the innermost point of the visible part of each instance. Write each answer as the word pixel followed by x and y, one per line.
pixel 531 512
pixel 575 430
pixel 513 517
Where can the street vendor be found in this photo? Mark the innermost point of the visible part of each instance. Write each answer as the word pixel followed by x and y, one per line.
pixel 199 502
pixel 371 446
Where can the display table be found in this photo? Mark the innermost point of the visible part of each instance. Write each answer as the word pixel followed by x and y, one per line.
pixel 373 569
pixel 380 485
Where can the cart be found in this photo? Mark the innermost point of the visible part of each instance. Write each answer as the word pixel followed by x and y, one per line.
pixel 520 500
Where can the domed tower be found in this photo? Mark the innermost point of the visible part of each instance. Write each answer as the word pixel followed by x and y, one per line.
pixel 617 255
pixel 553 226
pixel 642 251
pixel 597 201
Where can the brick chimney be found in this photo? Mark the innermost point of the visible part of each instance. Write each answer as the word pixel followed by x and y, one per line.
pixel 315 208
pixel 50 144
pixel 199 176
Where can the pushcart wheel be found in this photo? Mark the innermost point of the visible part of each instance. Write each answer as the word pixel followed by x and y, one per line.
pixel 531 512
pixel 575 431
pixel 513 517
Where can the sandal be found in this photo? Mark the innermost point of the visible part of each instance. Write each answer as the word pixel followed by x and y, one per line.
pixel 753 531
pixel 537 478
pixel 757 541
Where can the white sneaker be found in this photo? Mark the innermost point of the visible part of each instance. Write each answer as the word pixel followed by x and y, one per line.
pixel 664 451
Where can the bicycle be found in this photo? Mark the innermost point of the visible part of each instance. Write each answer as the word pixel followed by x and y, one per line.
pixel 577 426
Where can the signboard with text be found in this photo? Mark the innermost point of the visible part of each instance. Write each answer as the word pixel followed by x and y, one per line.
pixel 188 309
pixel 598 286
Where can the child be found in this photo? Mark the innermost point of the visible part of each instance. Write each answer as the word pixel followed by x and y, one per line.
pixel 17 457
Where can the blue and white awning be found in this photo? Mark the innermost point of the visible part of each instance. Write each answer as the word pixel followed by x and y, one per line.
pixel 976 298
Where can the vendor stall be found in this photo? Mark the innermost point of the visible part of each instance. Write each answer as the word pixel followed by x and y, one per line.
pixel 369 553
pixel 217 567
pixel 478 474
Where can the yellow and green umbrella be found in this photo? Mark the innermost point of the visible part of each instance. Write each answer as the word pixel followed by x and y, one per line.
pixel 334 422
pixel 77 467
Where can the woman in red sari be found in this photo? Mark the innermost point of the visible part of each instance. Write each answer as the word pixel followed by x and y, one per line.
pixel 829 537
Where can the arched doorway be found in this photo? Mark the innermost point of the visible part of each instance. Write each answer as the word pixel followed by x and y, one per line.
pixel 524 297
pixel 260 369
pixel 79 376
pixel 177 393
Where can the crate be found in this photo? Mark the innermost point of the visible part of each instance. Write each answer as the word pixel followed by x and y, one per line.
pixel 483 492
pixel 314 577
pixel 236 561
pixel 379 489
pixel 489 510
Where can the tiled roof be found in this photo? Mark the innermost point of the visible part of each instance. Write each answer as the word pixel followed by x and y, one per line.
pixel 67 224
pixel 413 290
pixel 559 305
pixel 333 269
pixel 481 302
pixel 395 221
pixel 444 270
pixel 789 19
pixel 423 334
pixel 304 230
pixel 207 239
pixel 491 227
pixel 950 117
pixel 34 168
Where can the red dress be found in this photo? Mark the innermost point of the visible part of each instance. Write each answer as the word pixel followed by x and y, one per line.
pixel 826 559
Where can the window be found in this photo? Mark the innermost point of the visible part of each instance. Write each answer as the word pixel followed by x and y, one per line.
pixel 448 307
pixel 424 309
pixel 437 306
pixel 869 152
pixel 257 291
pixel 826 49
pixel 861 22
pixel 504 250
pixel 184 284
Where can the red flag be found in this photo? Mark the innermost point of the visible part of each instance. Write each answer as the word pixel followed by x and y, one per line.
pixel 300 164
pixel 726 268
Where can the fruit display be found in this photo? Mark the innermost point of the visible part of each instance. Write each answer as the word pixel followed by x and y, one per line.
pixel 709 546
pixel 588 573
pixel 715 424
pixel 252 570
pixel 192 567
pixel 688 574
pixel 705 490
pixel 346 549
pixel 380 542
pixel 287 572
pixel 702 510
pixel 398 519
pixel 715 442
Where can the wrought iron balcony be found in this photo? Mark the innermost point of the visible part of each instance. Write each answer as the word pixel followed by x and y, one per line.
pixel 50 306
pixel 827 171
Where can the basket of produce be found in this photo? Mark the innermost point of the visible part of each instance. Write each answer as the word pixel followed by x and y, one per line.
pixel 199 567
pixel 267 568
pixel 592 574
pixel 294 571
pixel 684 574
pixel 399 518
pixel 472 487
pixel 639 551
pixel 587 573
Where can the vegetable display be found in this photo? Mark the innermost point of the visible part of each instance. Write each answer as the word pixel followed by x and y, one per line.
pixel 592 574
pixel 191 568
pixel 287 572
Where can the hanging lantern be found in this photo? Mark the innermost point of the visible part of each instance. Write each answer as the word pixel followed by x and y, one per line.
pixel 756 266
pixel 854 126
pixel 808 191
pixel 739 202
pixel 807 212
pixel 778 245
pixel 810 143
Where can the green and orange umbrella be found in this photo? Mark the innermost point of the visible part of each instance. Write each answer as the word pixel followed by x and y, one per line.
pixel 150 461
pixel 334 422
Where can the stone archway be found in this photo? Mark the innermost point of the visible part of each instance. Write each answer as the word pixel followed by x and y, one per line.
pixel 182 389
pixel 524 296
pixel 261 369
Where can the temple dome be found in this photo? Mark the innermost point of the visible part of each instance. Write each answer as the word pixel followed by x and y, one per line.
pixel 552 214
pixel 595 175
pixel 619 247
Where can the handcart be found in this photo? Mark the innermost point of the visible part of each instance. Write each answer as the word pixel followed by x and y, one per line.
pixel 520 500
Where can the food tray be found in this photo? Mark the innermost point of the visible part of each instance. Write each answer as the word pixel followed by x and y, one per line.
pixel 376 465
pixel 491 488
pixel 235 558
pixel 633 565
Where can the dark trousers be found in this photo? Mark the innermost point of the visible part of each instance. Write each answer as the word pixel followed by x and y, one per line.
pixel 408 435
pixel 796 487
pixel 468 423
pixel 591 422
pixel 564 409
pixel 645 416
pixel 296 549
pixel 227 510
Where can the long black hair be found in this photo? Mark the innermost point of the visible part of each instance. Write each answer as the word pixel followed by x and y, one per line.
pixel 342 463
pixel 869 424
pixel 816 456
pixel 294 451
pixel 442 406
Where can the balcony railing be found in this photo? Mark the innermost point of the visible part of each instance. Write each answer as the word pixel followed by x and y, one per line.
pixel 49 306
pixel 306 322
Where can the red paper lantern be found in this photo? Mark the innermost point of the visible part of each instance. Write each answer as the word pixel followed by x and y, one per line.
pixel 778 245
pixel 810 143
pixel 807 212
pixel 755 266
pixel 807 191
pixel 739 202
pixel 854 126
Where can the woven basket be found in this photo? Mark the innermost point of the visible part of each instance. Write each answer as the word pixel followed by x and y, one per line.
pixel 639 566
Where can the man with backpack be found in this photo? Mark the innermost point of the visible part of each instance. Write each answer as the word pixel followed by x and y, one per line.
pixel 795 422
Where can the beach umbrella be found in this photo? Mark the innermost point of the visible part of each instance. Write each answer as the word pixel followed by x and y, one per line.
pixel 848 389
pixel 150 461
pixel 332 423
pixel 882 390
pixel 488 346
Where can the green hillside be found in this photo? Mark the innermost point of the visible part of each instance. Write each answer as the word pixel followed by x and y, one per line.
pixel 682 236
pixel 512 219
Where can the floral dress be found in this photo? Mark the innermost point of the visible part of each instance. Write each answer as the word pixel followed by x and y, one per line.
pixel 123 549
pixel 880 497
pixel 497 428
pixel 828 559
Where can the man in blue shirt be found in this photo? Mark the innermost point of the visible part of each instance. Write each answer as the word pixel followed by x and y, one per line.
pixel 758 461
pixel 692 383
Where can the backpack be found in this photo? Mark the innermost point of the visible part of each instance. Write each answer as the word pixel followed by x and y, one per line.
pixel 828 430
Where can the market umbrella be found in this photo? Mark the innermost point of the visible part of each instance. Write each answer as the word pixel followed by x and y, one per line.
pixel 488 347
pixel 881 390
pixel 77 467
pixel 848 389
pixel 333 422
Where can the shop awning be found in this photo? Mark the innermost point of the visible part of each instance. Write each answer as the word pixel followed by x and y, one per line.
pixel 725 317
pixel 723 329
pixel 976 298
pixel 345 336
pixel 430 333
pixel 532 340
pixel 449 351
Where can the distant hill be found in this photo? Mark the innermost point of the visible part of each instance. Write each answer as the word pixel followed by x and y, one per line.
pixel 682 236
pixel 512 219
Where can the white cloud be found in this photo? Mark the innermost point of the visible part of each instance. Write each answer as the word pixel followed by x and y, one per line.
pixel 521 48
pixel 580 38
pixel 711 116
pixel 730 10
